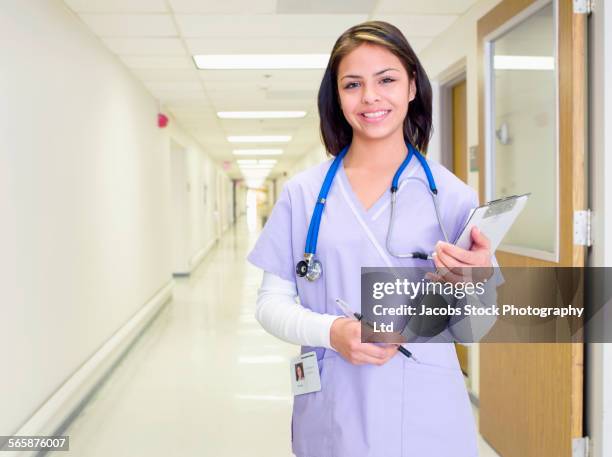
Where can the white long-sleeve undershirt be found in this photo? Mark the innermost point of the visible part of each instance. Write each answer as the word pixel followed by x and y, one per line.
pixel 280 314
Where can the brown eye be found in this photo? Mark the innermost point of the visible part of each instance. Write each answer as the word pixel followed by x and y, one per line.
pixel 351 85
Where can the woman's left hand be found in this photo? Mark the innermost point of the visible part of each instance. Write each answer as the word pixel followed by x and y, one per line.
pixel 451 260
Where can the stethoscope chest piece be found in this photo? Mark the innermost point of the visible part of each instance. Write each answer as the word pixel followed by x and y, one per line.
pixel 310 270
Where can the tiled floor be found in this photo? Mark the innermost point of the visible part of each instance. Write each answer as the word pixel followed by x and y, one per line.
pixel 204 380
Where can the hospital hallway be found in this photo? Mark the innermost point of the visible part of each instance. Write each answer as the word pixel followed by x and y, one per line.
pixel 144 145
pixel 204 379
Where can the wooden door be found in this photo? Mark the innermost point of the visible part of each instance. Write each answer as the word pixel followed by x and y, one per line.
pixel 531 395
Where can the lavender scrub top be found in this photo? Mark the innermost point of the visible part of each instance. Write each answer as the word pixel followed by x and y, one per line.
pixel 402 408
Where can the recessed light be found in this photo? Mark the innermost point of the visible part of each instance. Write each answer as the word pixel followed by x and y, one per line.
pixel 259 138
pixel 243 161
pixel 261 114
pixel 260 61
pixel 254 152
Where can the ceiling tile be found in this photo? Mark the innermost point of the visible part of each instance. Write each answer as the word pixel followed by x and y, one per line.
pixel 261 76
pixel 174 96
pixel 260 87
pixel 158 62
pixel 325 6
pixel 223 7
pixel 117 6
pixel 230 101
pixel 146 46
pixel 130 25
pixel 415 25
pixel 267 125
pixel 166 75
pixel 174 86
pixel 261 45
pixel 282 26
pixel 193 109
pixel 190 106
pixel 424 6
pixel 301 95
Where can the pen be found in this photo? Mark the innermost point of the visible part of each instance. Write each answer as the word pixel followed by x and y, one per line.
pixel 348 312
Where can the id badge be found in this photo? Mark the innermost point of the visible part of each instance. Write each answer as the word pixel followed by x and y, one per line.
pixel 305 374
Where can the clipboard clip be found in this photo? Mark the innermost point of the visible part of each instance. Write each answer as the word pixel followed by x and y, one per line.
pixel 502 205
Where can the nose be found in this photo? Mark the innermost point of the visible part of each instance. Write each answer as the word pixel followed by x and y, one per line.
pixel 369 95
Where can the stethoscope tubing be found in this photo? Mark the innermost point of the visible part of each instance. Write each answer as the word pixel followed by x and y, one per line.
pixel 419 255
pixel 315 220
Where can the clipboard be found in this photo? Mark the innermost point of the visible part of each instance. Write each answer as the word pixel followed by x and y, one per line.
pixel 494 219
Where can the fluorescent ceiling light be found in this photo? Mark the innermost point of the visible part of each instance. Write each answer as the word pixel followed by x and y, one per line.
pixel 252 163
pixel 261 114
pixel 255 169
pixel 260 61
pixel 267 161
pixel 524 63
pixel 256 166
pixel 259 138
pixel 256 152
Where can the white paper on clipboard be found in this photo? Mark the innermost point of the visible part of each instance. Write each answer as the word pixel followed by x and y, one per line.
pixel 494 219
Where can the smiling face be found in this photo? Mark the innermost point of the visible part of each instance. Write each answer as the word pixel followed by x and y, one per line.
pixel 374 91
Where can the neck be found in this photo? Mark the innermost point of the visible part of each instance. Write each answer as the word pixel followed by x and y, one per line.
pixel 377 154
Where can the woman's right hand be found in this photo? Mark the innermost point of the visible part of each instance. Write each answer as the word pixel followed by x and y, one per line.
pixel 345 338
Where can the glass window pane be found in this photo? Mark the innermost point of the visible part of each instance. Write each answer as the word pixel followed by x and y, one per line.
pixel 524 152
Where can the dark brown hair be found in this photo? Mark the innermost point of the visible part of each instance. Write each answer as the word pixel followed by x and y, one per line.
pixel 336 132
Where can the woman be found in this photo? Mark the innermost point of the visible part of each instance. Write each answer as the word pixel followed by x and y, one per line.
pixel 374 99
pixel 299 372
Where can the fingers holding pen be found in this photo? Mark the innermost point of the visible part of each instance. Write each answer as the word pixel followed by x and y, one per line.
pixel 345 338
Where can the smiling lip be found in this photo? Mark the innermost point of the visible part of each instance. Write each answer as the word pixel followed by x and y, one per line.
pixel 375 116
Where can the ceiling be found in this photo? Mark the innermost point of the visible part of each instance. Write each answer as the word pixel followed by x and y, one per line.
pixel 155 39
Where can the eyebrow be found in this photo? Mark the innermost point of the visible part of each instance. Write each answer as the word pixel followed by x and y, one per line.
pixel 375 74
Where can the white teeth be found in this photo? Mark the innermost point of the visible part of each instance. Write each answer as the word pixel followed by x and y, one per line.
pixel 376 114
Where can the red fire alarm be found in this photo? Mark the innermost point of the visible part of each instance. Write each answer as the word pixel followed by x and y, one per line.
pixel 162 120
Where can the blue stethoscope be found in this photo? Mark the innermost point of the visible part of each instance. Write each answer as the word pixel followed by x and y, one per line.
pixel 310 267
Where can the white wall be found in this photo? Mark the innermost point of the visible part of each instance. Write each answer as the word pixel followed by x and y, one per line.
pixel 84 198
pixel 204 179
